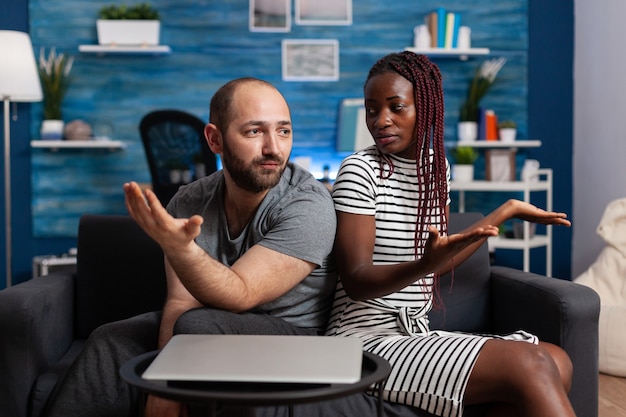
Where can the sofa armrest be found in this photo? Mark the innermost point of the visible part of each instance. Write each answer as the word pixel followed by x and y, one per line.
pixel 36 324
pixel 557 311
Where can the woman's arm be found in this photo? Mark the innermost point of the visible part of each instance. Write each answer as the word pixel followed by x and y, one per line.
pixel 354 248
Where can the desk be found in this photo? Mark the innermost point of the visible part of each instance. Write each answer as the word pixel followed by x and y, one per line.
pixel 375 370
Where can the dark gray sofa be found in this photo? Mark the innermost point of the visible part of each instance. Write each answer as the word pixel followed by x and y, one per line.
pixel 44 321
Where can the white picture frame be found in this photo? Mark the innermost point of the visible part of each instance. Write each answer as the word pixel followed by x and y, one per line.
pixel 500 165
pixel 323 12
pixel 310 60
pixel 269 15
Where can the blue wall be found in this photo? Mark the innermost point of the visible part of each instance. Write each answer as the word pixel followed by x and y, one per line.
pixel 211 44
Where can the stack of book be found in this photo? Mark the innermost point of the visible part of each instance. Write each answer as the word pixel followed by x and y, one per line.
pixel 444 28
pixel 487 124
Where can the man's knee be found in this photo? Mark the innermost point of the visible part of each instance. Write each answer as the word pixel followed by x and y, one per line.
pixel 204 321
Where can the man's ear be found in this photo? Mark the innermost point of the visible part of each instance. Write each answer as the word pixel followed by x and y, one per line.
pixel 213 137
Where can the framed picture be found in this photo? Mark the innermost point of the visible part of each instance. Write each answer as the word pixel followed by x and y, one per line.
pixel 310 59
pixel 324 12
pixel 500 165
pixel 270 15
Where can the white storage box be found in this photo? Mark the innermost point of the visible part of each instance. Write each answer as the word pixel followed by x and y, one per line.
pixel 44 265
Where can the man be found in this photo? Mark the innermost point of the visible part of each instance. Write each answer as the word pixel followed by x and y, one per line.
pixel 247 249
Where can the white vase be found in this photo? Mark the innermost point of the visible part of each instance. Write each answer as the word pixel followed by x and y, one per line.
pixel 128 32
pixel 52 129
pixel 508 134
pixel 463 173
pixel 467 131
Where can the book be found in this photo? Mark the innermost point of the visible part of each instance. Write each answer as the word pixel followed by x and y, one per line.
pixel 441 27
pixel 491 125
pixel 431 21
pixel 449 33
pixel 455 31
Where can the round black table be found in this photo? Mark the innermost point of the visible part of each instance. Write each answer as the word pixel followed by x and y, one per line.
pixel 375 370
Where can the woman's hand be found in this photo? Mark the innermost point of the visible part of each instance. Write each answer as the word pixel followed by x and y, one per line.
pixel 441 250
pixel 530 213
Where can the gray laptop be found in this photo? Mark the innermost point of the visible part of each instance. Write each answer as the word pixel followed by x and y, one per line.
pixel 258 358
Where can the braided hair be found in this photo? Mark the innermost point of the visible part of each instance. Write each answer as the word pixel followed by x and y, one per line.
pixel 428 95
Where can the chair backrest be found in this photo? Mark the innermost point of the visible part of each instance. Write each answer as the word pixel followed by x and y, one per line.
pixel 119 272
pixel 172 138
pixel 465 292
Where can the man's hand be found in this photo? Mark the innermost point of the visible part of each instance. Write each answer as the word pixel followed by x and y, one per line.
pixel 160 407
pixel 170 233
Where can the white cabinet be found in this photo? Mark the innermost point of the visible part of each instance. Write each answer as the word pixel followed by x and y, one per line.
pixel 542 182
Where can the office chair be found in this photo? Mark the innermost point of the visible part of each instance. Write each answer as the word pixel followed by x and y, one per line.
pixel 174 141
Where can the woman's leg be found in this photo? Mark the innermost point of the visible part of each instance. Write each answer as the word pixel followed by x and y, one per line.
pixel 522 379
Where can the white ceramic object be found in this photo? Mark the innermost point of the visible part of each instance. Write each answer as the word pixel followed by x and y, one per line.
pixel 529 170
pixel 467 131
pixel 128 32
pixel 508 134
pixel 52 129
pixel 463 173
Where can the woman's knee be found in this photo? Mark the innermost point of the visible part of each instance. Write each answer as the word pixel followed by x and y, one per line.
pixel 563 363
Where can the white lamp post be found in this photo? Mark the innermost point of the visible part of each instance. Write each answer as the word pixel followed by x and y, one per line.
pixel 19 82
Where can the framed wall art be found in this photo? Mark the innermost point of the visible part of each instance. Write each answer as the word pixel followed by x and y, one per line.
pixel 270 15
pixel 310 59
pixel 500 165
pixel 323 12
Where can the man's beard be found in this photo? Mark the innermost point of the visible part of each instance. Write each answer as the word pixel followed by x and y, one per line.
pixel 247 177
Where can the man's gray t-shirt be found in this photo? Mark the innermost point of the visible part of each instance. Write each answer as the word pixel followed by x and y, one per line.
pixel 296 218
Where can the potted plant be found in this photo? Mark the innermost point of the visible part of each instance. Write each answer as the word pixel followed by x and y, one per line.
pixel 484 77
pixel 463 167
pixel 128 25
pixel 54 74
pixel 507 130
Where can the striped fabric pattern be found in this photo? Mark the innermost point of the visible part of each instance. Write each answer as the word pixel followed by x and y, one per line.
pixel 430 369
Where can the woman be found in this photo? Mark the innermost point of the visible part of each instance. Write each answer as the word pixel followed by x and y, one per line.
pixel 392 208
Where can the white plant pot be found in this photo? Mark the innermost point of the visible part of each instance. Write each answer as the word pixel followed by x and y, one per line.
pixel 128 32
pixel 467 131
pixel 463 173
pixel 508 134
pixel 52 129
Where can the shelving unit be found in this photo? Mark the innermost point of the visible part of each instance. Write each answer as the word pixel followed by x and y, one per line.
pixel 462 54
pixel 100 143
pixel 118 49
pixel 486 144
pixel 541 183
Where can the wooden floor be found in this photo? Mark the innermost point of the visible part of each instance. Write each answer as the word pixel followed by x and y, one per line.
pixel 612 398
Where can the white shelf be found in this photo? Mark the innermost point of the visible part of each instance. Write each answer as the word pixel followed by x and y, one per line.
pixel 118 49
pixel 462 54
pixel 499 185
pixel 78 144
pixel 522 143
pixel 536 241
pixel 542 183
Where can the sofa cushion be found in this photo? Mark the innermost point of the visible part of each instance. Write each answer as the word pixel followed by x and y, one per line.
pixel 120 272
pixel 465 291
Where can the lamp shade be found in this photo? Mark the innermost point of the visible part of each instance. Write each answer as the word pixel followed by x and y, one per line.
pixel 19 78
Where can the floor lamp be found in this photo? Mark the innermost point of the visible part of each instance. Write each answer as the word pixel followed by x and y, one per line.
pixel 19 82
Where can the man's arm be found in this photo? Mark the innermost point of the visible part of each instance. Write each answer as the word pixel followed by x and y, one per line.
pixel 259 276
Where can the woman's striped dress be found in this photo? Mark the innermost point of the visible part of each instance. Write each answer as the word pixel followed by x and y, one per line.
pixel 430 369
